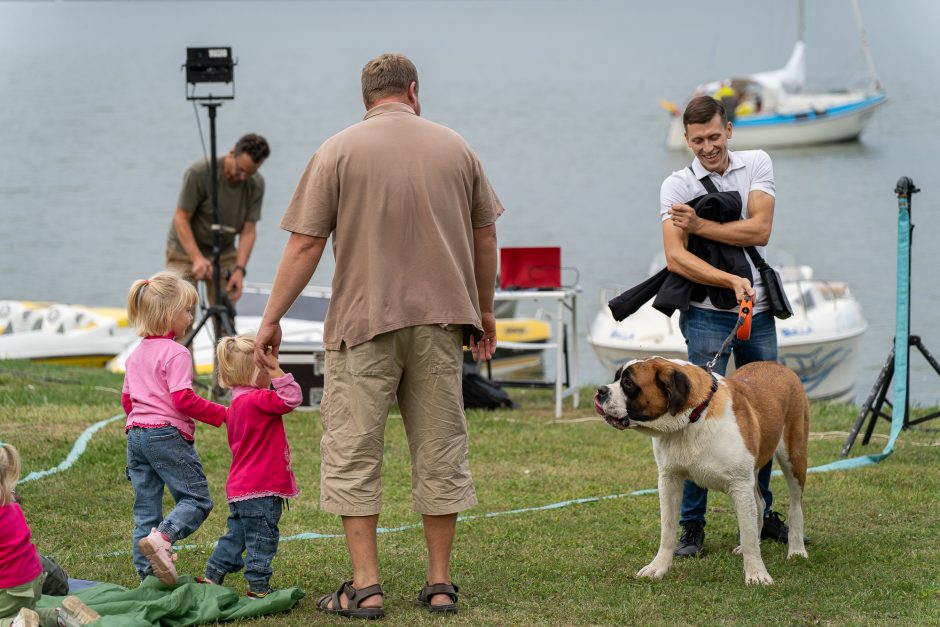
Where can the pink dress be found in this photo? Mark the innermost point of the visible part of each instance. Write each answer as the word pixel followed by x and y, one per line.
pixel 261 462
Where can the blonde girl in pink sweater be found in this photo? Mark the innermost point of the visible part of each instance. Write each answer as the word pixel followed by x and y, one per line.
pixel 161 407
pixel 261 476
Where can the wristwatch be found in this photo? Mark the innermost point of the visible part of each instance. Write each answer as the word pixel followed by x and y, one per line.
pixel 244 271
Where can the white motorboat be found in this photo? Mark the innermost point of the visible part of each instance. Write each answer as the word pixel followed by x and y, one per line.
pixel 62 333
pixel 819 342
pixel 771 109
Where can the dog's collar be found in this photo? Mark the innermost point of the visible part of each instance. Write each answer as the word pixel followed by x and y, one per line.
pixel 698 411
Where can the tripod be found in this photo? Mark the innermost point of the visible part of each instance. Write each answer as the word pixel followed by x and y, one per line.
pixel 899 357
pixel 222 311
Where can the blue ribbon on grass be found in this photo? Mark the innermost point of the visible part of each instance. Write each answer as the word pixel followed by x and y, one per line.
pixel 77 449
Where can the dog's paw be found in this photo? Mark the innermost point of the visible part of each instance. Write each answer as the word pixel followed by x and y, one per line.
pixel 652 571
pixel 797 553
pixel 737 550
pixel 758 578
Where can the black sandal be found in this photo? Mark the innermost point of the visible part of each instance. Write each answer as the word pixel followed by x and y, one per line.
pixel 430 590
pixel 355 597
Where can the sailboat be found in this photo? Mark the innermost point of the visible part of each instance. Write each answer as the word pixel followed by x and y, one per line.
pixel 771 110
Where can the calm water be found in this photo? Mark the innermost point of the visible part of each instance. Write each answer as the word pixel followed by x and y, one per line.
pixel 558 98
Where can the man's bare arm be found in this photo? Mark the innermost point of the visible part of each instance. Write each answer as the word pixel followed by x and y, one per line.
pixel 753 231
pixel 484 271
pixel 684 263
pixel 298 263
pixel 246 242
pixel 182 223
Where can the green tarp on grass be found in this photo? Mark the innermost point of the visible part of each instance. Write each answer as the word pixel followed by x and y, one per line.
pixel 189 603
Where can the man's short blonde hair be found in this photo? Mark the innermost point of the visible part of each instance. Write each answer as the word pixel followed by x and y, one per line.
pixel 387 75
pixel 153 303
pixel 237 360
pixel 9 473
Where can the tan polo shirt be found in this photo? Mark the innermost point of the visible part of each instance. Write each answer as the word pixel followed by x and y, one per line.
pixel 401 197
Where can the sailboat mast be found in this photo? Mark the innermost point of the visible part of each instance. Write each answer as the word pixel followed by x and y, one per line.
pixel 863 40
pixel 801 24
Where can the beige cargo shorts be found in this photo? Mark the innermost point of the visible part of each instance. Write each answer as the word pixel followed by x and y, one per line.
pixel 422 367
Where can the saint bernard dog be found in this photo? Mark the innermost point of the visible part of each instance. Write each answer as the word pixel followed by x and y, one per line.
pixel 718 432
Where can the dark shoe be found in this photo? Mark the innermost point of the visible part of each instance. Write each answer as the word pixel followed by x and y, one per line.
pixel 259 595
pixel 775 529
pixel 329 603
pixel 429 590
pixel 693 537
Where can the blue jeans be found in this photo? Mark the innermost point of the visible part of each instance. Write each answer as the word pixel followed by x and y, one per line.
pixel 157 458
pixel 252 529
pixel 705 331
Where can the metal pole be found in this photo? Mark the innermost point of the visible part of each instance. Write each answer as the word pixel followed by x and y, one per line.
pixel 560 338
pixel 905 189
pixel 863 41
pixel 576 377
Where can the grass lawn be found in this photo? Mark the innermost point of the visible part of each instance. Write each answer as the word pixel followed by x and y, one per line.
pixel 875 532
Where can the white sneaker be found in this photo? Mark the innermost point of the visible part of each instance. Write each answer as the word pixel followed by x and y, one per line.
pixel 160 553
pixel 26 618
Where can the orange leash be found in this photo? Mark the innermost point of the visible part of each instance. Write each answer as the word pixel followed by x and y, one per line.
pixel 742 330
pixel 744 320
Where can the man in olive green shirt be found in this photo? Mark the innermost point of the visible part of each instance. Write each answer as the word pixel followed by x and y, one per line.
pixel 241 191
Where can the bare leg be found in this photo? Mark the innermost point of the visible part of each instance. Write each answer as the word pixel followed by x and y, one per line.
pixel 439 532
pixel 364 554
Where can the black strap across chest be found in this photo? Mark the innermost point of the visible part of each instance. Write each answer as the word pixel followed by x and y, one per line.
pixel 755 256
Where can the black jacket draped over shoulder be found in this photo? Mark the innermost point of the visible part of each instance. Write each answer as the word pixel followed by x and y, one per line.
pixel 674 291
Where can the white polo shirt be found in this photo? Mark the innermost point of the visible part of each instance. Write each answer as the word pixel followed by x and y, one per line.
pixel 748 170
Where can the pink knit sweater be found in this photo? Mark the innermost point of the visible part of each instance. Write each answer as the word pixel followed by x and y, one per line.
pixel 261 462
pixel 19 561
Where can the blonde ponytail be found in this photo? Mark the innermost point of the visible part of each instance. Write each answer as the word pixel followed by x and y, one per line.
pixel 9 472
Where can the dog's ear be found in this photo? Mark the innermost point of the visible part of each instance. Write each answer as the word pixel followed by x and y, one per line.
pixel 677 390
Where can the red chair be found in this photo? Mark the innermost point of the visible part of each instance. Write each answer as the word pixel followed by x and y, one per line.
pixel 530 268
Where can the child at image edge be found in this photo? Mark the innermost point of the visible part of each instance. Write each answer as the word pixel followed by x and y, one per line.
pixel 261 476
pixel 161 405
pixel 21 574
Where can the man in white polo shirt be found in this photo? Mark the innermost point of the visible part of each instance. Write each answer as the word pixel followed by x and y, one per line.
pixel 705 326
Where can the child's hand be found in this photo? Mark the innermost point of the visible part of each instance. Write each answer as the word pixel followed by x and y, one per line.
pixel 271 365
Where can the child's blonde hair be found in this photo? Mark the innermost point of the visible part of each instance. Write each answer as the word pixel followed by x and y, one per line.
pixel 153 303
pixel 9 472
pixel 237 360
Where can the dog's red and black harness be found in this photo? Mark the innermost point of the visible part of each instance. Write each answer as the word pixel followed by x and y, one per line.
pixel 700 409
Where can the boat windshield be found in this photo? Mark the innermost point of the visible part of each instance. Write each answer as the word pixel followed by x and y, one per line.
pixel 306 307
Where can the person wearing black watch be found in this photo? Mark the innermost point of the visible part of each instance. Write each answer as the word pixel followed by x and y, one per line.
pixel 241 192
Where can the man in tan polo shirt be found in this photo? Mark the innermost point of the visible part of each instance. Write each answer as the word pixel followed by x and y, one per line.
pixel 413 223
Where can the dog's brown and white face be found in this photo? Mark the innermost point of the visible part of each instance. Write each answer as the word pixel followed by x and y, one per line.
pixel 647 394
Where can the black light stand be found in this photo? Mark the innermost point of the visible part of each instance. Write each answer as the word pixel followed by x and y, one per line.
pixel 212 65
pixel 872 407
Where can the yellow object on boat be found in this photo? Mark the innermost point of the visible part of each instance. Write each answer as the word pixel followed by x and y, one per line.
pixel 522 330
